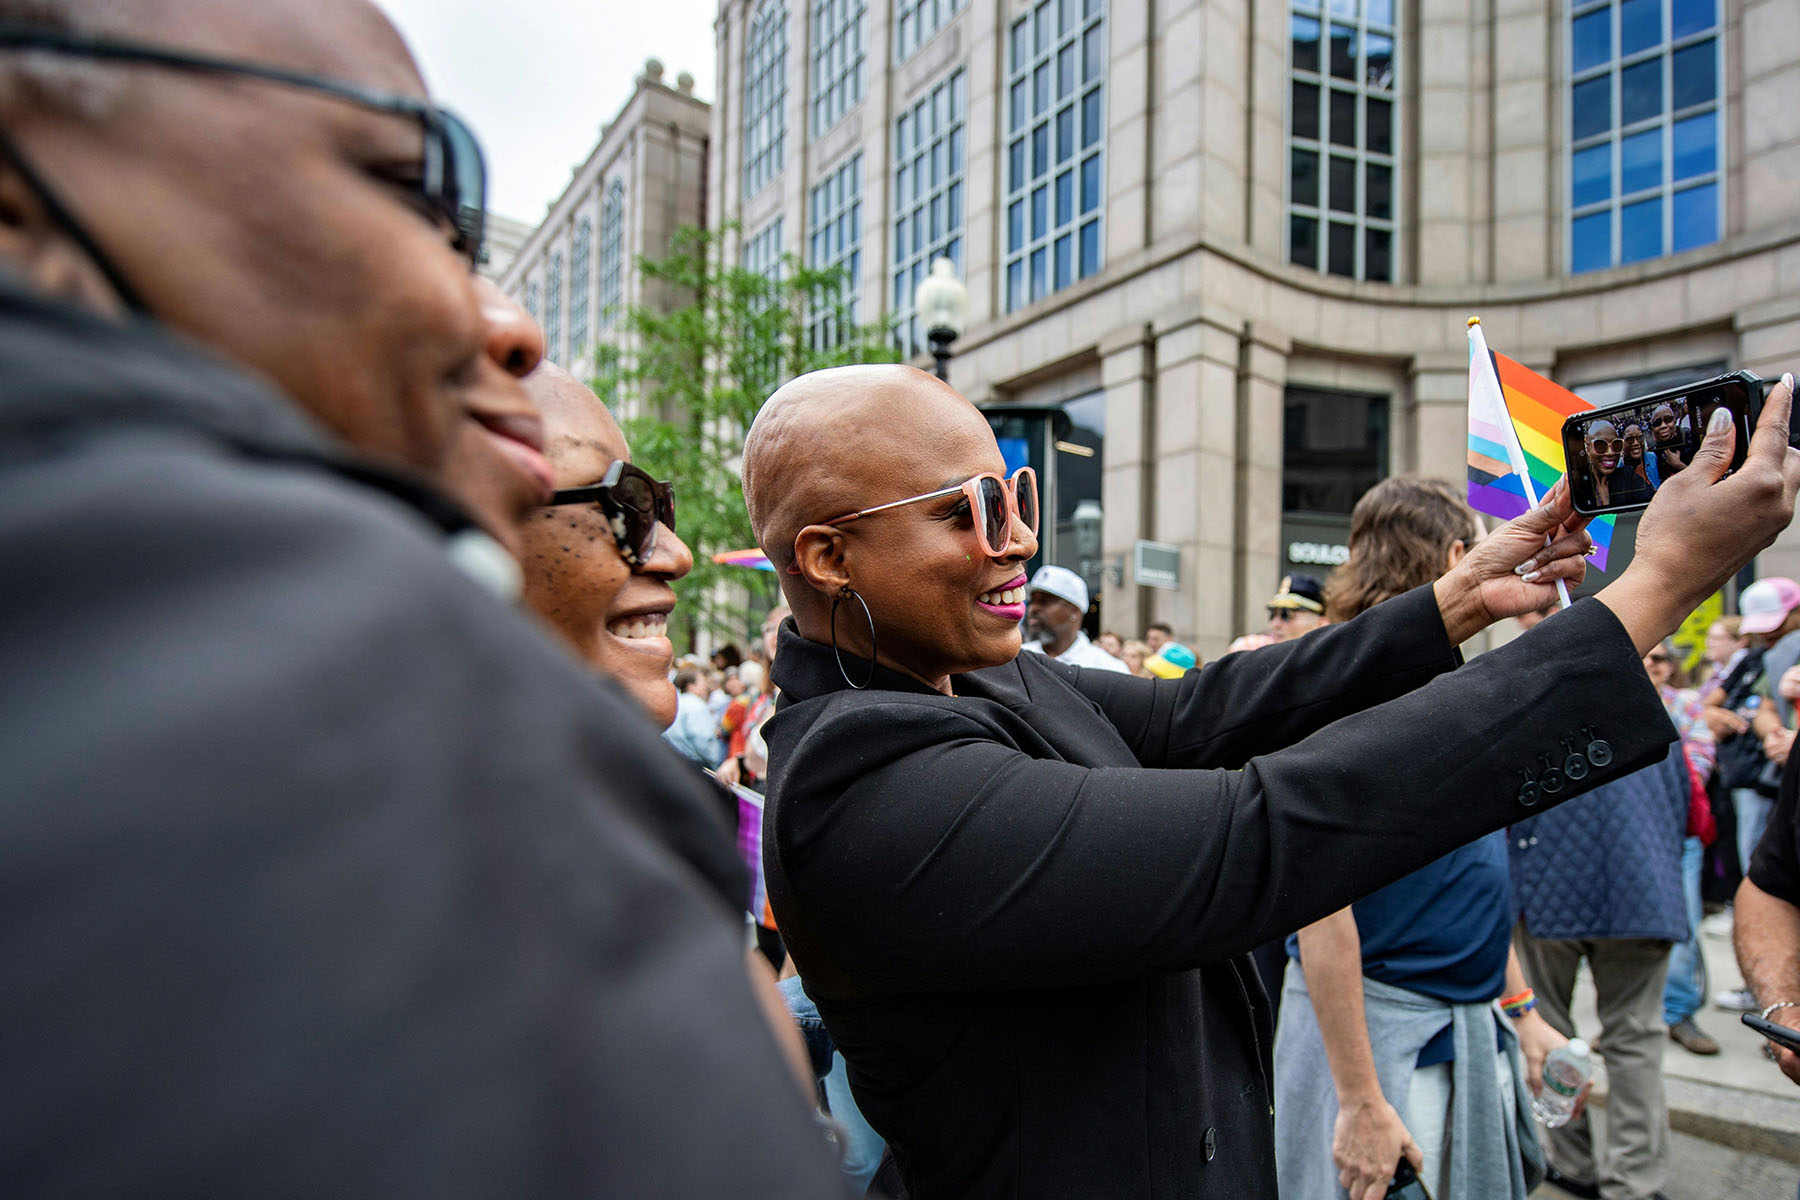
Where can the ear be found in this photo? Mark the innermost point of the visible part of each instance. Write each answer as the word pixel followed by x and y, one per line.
pixel 1457 550
pixel 39 249
pixel 820 557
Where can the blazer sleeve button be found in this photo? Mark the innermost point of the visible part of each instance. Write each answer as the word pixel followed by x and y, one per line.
pixel 1211 1142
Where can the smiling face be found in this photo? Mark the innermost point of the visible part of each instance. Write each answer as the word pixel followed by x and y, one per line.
pixel 615 616
pixel 1663 426
pixel 1634 443
pixel 1659 665
pixel 1604 448
pixel 275 224
pixel 848 439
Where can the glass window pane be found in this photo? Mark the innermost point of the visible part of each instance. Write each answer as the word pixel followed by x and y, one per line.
pixel 1015 225
pixel 1378 125
pixel 1343 51
pixel 1046 26
pixel 1378 62
pixel 1378 191
pixel 1065 261
pixel 1306 43
pixel 1591 38
pixel 1340 253
pixel 1640 25
pixel 1343 117
pixel 1040 89
pixel 1065 197
pixel 1015 161
pixel 1021 44
pixel 1592 175
pixel 1692 16
pixel 1090 119
pixel 1305 110
pixel 1015 284
pixel 1640 230
pixel 1040 212
pixel 1591 242
pixel 1696 146
pixel 1021 107
pixel 1065 72
pixel 1303 241
pixel 1378 253
pixel 1090 183
pixel 1591 103
pixel 1640 91
pixel 1344 8
pixel 1343 184
pixel 1640 161
pixel 1040 150
pixel 1381 12
pixel 1040 274
pixel 1696 217
pixel 1303 178
pixel 1092 61
pixel 1065 134
pixel 1696 81
pixel 1090 248
pixel 1071 12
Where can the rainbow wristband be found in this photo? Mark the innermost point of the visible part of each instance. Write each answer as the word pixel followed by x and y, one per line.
pixel 1517 1006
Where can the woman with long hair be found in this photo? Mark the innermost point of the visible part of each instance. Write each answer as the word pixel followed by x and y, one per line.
pixel 1406 978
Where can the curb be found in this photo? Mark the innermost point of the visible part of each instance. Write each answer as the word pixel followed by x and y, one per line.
pixel 1736 1118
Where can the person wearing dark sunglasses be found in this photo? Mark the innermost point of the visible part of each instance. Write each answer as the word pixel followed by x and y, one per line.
pixel 328 872
pixel 1022 894
pixel 599 558
pixel 1609 475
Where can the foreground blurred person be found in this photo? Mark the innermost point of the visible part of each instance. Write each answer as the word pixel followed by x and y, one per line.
pixel 1389 1037
pixel 1021 893
pixel 326 873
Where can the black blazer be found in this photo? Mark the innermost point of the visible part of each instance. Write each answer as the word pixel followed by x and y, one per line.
pixel 1029 947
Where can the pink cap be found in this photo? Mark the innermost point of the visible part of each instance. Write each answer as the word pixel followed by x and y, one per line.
pixel 1766 603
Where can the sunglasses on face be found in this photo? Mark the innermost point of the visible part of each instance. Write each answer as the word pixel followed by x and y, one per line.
pixel 1659 422
pixel 1607 445
pixel 994 502
pixel 634 505
pixel 452 183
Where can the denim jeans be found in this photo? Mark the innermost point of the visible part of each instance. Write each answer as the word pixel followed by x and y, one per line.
pixel 1753 809
pixel 1686 990
pixel 863 1147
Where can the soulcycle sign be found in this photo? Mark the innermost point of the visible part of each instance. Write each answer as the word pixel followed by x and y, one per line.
pixel 1315 542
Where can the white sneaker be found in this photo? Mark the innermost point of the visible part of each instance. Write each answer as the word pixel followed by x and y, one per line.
pixel 1717 925
pixel 1739 1000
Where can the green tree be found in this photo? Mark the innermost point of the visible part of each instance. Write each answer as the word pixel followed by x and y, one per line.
pixel 700 356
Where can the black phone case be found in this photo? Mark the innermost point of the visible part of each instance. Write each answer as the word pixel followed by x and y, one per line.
pixel 1407 1185
pixel 1781 1035
pixel 1753 388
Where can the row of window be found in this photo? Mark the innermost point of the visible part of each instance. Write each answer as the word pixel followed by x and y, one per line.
pixel 546 305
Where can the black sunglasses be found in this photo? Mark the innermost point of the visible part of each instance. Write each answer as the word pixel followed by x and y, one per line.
pixel 453 179
pixel 634 504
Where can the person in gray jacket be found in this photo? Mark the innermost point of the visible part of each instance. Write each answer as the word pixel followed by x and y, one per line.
pixel 327 873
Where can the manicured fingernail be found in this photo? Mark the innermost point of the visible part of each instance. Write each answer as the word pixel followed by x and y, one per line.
pixel 1788 379
pixel 1529 564
pixel 1721 421
pixel 1532 576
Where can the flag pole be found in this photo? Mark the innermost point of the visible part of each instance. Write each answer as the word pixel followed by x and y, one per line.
pixel 1515 449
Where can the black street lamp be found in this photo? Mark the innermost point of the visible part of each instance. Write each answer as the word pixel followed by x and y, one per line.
pixel 941 302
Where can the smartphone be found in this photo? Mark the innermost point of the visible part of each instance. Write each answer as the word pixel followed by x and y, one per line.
pixel 1619 455
pixel 1781 1035
pixel 1407 1185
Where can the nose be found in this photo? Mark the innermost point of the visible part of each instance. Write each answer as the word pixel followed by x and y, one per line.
pixel 1021 543
pixel 671 559
pixel 513 339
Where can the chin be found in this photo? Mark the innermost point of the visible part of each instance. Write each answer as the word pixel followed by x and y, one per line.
pixel 658 701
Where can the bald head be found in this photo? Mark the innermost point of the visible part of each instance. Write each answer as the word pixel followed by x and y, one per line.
pixel 576 423
pixel 842 439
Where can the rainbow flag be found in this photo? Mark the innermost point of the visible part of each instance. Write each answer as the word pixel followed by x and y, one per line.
pixel 755 559
pixel 1515 438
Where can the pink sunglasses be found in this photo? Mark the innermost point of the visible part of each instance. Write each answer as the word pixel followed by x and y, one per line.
pixel 996 502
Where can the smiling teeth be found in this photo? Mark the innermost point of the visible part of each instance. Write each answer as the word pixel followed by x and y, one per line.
pixel 652 625
pixel 1003 598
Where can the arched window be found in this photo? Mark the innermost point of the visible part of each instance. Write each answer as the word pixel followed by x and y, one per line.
pixel 581 261
pixel 765 95
pixel 612 254
pixel 553 327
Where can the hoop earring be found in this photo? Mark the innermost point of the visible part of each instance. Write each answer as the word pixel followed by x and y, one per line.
pixel 847 592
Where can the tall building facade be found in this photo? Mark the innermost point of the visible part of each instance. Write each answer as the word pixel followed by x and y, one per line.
pixel 1220 255
pixel 646 177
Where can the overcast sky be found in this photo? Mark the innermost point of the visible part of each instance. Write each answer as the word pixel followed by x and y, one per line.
pixel 537 77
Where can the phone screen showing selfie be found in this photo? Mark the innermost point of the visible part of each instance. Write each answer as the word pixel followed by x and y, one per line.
pixel 1619 456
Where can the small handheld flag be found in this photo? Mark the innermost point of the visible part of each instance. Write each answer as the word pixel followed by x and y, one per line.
pixel 1515 438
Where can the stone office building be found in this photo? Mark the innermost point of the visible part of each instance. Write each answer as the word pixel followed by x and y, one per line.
pixel 645 178
pixel 1220 253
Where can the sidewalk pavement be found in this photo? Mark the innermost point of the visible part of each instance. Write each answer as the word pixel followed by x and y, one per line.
pixel 1738 1111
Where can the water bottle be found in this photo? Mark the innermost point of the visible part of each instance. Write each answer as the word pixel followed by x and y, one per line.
pixel 1566 1072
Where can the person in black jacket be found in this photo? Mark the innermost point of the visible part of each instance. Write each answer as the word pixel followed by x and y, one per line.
pixel 327 873
pixel 1021 894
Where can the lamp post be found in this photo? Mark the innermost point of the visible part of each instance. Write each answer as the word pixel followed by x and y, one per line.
pixel 941 302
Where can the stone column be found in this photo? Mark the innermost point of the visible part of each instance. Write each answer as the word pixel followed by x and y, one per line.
pixel 1128 376
pixel 1769 344
pixel 1262 386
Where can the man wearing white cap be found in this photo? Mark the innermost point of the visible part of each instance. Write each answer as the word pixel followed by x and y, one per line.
pixel 1058 600
pixel 1769 607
